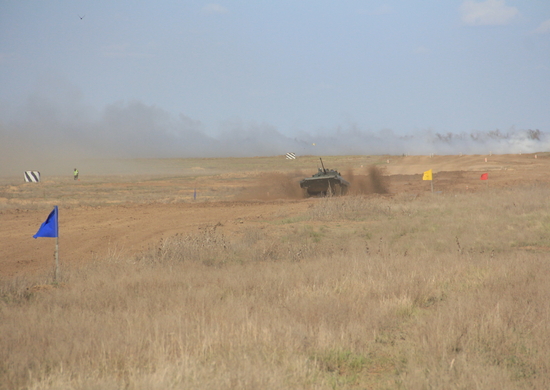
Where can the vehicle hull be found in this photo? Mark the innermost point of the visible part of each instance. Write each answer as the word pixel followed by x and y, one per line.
pixel 322 186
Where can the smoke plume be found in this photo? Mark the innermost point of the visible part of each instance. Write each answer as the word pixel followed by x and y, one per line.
pixel 46 134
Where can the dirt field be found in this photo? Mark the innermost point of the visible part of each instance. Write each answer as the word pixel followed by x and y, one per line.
pixel 138 203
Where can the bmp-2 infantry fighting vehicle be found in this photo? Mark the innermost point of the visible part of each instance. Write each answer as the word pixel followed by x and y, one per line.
pixel 325 182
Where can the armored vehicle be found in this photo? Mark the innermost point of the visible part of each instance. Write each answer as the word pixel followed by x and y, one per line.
pixel 325 182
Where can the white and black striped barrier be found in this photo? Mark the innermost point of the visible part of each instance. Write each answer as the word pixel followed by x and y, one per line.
pixel 291 156
pixel 32 177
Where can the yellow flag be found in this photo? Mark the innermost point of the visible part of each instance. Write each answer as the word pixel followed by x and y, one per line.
pixel 427 175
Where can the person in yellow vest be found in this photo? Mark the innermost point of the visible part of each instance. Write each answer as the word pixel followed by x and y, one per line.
pixel 75 174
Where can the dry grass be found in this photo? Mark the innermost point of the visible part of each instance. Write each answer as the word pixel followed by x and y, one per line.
pixel 106 190
pixel 360 292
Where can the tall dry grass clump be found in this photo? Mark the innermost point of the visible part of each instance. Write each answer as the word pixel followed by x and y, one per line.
pixel 431 292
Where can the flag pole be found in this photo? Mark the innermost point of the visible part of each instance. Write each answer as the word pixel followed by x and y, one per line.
pixel 56 275
pixel 50 228
pixel 428 175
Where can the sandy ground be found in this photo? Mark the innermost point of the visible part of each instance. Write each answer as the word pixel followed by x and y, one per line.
pixel 121 215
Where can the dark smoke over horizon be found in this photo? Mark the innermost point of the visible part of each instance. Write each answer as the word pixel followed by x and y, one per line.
pixel 42 133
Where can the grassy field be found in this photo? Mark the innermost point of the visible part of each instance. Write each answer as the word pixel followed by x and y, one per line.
pixel 444 291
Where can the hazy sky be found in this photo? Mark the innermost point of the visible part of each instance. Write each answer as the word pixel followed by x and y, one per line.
pixel 193 77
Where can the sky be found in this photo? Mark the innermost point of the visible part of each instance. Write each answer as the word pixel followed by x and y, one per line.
pixel 250 78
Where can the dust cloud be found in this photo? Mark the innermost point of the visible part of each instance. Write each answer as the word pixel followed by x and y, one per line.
pixel 277 185
pixel 56 134
pixel 370 181
pixel 274 185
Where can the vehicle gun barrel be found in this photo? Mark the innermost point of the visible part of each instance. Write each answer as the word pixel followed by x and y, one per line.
pixel 323 165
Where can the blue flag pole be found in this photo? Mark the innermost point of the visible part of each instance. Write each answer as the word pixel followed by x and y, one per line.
pixel 56 274
pixel 50 228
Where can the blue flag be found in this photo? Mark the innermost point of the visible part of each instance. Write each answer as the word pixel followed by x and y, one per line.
pixel 49 228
